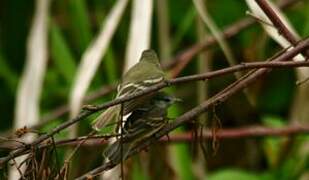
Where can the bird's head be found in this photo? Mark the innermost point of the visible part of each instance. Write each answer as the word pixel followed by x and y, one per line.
pixel 150 56
pixel 165 100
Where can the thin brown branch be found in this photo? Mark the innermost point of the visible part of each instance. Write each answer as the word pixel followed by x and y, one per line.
pixel 244 132
pixel 60 111
pixel 274 18
pixel 280 26
pixel 233 133
pixel 185 117
pixel 239 67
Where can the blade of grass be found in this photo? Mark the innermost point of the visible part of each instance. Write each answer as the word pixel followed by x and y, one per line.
pixel 203 65
pixel 179 155
pixel 163 30
pixel 110 67
pixel 7 75
pixel 140 31
pixel 183 27
pixel 202 11
pixel 92 57
pixel 61 54
pixel 306 15
pixel 29 90
pixel 139 40
pixel 80 23
pixel 137 171
pixel 27 107
pixel 199 5
pixel 180 159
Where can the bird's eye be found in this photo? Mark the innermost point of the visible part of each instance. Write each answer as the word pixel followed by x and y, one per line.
pixel 167 99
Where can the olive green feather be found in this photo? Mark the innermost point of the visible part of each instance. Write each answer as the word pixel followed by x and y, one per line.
pixel 145 73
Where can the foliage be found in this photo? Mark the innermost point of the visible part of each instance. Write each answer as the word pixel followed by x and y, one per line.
pixel 72 26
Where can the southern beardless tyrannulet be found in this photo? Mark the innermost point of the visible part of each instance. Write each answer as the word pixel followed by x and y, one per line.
pixel 147 72
pixel 141 124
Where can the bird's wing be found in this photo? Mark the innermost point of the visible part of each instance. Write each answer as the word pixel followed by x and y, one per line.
pixel 108 116
pixel 132 105
pixel 135 87
pixel 115 151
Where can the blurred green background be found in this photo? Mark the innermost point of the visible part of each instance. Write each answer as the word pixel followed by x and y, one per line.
pixel 73 24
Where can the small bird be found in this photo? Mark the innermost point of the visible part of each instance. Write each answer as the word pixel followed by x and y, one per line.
pixel 141 124
pixel 145 73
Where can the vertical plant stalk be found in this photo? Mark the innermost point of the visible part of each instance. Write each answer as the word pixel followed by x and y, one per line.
pixel 92 57
pixel 199 162
pixel 178 155
pixel 140 31
pixel 139 40
pixel 163 30
pixel 218 35
pixel 61 54
pixel 203 67
pixel 91 60
pixel 80 24
pixel 199 5
pixel 27 109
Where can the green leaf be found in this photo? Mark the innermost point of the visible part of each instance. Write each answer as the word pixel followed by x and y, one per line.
pixel 184 26
pixel 273 121
pixel 234 174
pixel 305 28
pixel 182 161
pixel 276 96
pixel 9 77
pixel 138 172
pixel 230 11
pixel 80 23
pixel 272 145
pixel 61 54
pixel 180 154
pixel 110 67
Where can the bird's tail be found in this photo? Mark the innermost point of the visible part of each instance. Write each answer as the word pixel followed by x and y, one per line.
pixel 115 151
pixel 108 116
